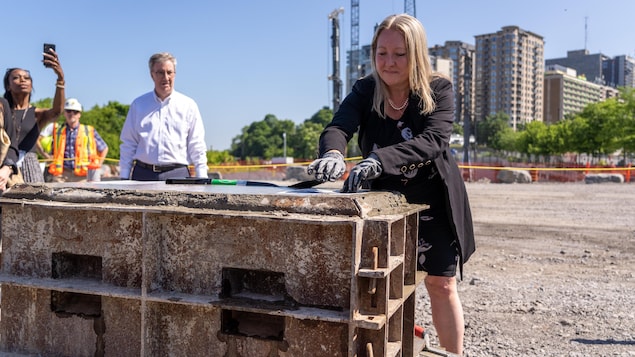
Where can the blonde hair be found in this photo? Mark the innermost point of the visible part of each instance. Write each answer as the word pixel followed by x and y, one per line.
pixel 160 58
pixel 419 68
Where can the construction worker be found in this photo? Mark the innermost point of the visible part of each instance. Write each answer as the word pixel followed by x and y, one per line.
pixel 78 150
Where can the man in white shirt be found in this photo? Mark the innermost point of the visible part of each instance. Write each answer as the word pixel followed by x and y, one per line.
pixel 163 132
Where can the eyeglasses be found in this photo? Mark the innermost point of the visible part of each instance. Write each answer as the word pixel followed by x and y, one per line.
pixel 71 111
pixel 164 73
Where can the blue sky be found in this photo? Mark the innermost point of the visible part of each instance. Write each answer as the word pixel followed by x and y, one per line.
pixel 242 60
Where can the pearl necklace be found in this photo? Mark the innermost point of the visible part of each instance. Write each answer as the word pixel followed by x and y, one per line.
pixel 398 108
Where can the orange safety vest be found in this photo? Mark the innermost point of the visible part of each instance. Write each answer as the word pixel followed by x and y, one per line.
pixel 86 156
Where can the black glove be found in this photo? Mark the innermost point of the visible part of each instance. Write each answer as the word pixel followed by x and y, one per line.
pixel 329 167
pixel 365 170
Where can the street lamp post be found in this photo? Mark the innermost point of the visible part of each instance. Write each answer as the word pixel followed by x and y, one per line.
pixel 284 145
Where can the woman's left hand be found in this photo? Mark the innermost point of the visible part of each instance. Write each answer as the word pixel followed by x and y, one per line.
pixel 366 170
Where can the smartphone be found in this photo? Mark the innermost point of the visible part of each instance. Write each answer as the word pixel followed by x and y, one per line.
pixel 47 47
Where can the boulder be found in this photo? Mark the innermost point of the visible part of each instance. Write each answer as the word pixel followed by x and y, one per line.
pixel 513 176
pixel 602 178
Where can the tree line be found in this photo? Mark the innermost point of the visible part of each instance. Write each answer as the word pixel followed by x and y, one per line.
pixel 601 128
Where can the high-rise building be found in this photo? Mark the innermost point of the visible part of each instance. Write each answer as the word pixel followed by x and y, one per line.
pixel 567 93
pixel 442 65
pixel 619 71
pixel 364 66
pixel 509 75
pixel 598 68
pixel 590 66
pixel 461 55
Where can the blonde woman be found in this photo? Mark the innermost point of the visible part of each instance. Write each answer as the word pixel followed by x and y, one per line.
pixel 404 113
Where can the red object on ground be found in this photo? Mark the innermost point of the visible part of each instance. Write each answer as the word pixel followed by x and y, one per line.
pixel 419 331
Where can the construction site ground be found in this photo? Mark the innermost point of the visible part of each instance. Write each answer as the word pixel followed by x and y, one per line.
pixel 553 274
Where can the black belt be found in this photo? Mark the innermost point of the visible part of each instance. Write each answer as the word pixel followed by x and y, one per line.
pixel 158 168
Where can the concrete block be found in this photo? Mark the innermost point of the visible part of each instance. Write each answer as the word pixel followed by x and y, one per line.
pixel 148 269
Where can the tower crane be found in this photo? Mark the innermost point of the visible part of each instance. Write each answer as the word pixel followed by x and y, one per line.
pixel 409 7
pixel 353 61
pixel 335 46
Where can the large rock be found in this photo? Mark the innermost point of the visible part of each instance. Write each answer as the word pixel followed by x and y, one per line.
pixel 601 178
pixel 298 173
pixel 513 176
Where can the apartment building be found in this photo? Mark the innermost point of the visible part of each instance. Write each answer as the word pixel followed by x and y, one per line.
pixel 461 54
pixel 568 93
pixel 509 75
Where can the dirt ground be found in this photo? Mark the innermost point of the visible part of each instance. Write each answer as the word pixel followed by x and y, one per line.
pixel 553 271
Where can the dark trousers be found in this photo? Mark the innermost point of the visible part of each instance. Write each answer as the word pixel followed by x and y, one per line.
pixel 143 174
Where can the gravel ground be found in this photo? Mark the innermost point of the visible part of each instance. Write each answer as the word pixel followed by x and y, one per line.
pixel 553 271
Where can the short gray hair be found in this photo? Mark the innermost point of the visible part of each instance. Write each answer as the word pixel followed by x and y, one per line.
pixel 160 58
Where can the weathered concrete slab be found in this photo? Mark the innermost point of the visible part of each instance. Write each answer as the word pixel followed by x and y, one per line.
pixel 147 269
pixel 217 197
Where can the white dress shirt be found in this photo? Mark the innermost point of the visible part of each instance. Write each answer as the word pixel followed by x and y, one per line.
pixel 163 133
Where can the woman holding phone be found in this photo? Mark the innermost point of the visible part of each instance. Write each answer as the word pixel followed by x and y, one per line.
pixel 27 120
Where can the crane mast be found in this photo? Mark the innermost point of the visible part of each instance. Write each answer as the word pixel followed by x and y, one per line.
pixel 335 46
pixel 409 7
pixel 353 62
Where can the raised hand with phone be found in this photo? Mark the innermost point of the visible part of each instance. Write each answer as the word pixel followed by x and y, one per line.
pixel 29 120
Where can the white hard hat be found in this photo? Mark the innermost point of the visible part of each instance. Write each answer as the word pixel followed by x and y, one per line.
pixel 72 104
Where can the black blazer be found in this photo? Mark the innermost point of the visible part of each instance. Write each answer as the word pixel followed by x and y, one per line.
pixel 430 144
pixel 12 153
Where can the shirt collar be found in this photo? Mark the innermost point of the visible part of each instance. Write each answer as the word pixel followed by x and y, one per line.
pixel 158 100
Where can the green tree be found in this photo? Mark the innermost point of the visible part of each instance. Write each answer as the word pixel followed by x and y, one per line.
pixel 626 120
pixel 219 157
pixel 579 137
pixel 108 121
pixel 323 117
pixel 43 103
pixel 263 139
pixel 493 130
pixel 597 130
pixel 305 142
pixel 457 128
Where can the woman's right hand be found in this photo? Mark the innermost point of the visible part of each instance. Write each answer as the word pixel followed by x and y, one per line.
pixel 329 167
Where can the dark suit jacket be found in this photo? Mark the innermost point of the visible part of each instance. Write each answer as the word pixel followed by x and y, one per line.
pixel 12 153
pixel 429 145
